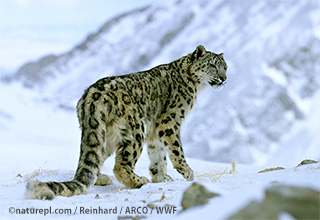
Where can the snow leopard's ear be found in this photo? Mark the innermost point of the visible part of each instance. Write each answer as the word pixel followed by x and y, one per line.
pixel 199 52
pixel 220 55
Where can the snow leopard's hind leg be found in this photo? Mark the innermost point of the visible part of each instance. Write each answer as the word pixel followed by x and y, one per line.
pixel 127 153
pixel 103 180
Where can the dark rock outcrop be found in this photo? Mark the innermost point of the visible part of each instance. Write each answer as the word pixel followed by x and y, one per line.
pixel 196 195
pixel 299 202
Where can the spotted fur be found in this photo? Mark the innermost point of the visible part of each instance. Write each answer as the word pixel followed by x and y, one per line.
pixel 120 113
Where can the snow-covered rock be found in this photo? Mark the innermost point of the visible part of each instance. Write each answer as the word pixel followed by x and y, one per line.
pixel 272 49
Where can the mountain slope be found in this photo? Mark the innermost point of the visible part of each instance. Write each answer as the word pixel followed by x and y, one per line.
pixel 271 47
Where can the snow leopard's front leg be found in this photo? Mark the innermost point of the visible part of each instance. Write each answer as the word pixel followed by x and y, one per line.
pixel 170 137
pixel 158 162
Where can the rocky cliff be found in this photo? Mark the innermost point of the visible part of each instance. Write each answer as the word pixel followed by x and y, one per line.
pixel 272 49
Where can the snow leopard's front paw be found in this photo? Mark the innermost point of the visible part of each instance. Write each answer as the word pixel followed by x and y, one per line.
pixel 159 178
pixel 186 172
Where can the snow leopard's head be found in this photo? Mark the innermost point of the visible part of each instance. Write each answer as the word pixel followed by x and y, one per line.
pixel 209 67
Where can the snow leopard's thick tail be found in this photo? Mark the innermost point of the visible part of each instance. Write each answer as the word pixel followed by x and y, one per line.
pixel 49 190
pixel 82 182
pixel 85 177
pixel 91 158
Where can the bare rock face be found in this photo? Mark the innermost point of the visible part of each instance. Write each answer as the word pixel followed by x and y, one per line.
pixel 196 195
pixel 299 202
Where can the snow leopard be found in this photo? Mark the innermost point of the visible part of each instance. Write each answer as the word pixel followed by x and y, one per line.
pixel 119 114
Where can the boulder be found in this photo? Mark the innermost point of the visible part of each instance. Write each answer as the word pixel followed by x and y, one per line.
pixel 305 162
pixel 299 202
pixel 196 195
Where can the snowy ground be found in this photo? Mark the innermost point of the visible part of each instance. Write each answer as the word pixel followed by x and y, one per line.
pixel 236 187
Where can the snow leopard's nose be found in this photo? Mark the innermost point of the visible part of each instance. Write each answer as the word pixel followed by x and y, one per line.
pixel 223 78
pixel 222 75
